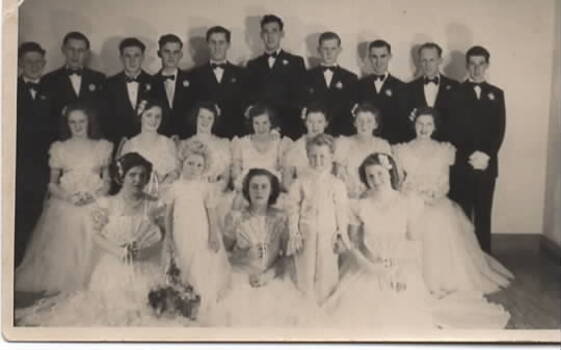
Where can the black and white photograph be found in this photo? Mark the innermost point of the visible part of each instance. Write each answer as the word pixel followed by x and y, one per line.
pixel 368 170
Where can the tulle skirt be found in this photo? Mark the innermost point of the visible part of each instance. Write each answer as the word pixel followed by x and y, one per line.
pixel 58 258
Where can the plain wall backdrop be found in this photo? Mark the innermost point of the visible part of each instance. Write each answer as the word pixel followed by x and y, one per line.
pixel 519 34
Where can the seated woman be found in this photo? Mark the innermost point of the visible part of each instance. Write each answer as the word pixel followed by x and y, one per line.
pixel 128 265
pixel 58 256
pixel 261 293
pixel 351 150
pixel 452 258
pixel 158 149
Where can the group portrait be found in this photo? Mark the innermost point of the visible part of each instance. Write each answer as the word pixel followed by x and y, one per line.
pixel 367 167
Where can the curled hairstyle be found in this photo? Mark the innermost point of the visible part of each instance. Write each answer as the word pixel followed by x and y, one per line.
pixel 146 104
pixel 273 180
pixel 30 46
pixel 124 163
pixel 257 110
pixel 367 107
pixel 272 19
pixel 195 147
pixel 384 160
pixel 425 110
pixel 314 107
pixel 76 36
pixel 93 127
pixel 191 122
pixel 321 140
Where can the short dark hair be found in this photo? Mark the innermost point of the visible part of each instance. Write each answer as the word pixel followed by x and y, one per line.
pixel 430 45
pixel 272 19
pixel 321 140
pixel 329 36
pixel 193 115
pixel 93 128
pixel 377 159
pixel 126 162
pixel 380 43
pixel 257 110
pixel 425 110
pixel 218 29
pixel 131 42
pixel 30 46
pixel 315 107
pixel 169 38
pixel 76 36
pixel 275 184
pixel 478 51
pixel 367 107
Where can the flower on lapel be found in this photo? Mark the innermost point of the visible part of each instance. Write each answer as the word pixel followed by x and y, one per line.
pixel 491 96
pixel 148 87
pixel 185 83
pixel 389 92
pixel 311 90
pixel 285 62
pixel 448 87
pixel 91 87
pixel 339 85
pixel 234 80
pixel 42 97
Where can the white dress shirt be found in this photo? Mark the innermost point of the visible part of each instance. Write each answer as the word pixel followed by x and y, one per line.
pixel 218 71
pixel 132 90
pixel 328 75
pixel 379 83
pixel 431 91
pixel 76 81
pixel 32 91
pixel 271 60
pixel 170 87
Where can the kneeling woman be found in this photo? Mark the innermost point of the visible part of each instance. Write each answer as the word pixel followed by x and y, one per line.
pixel 129 243
pixel 262 293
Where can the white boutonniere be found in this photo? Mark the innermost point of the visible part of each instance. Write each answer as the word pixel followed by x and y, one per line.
pixel 285 62
pixel 311 90
pixel 339 85
pixel 185 83
pixel 148 87
pixel 491 96
pixel 234 80
pixel 448 87
pixel 389 93
pixel 91 87
pixel 42 97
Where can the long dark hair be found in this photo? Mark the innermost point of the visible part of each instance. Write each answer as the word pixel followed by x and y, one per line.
pixel 93 127
pixel 383 160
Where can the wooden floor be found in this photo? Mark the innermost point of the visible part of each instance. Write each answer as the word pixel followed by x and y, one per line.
pixel 533 299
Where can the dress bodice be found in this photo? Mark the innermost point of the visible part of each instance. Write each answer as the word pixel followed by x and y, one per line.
pixel 162 153
pixel 220 153
pixel 250 157
pixel 426 167
pixel 81 167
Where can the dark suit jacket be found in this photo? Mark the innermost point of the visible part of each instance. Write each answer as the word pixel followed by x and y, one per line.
pixel 444 102
pixel 280 87
pixel 36 130
pixel 478 125
pixel 121 119
pixel 58 85
pixel 174 116
pixel 337 98
pixel 391 101
pixel 230 95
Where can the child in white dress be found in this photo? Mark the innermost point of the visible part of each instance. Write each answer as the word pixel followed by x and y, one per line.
pixel 318 218
pixel 194 242
pixel 58 256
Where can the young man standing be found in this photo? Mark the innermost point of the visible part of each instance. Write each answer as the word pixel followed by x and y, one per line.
pixel 222 82
pixel 275 77
pixel 477 130
pixel 332 86
pixel 124 90
pixel 386 92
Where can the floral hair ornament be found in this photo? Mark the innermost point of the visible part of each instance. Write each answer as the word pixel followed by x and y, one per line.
pixel 120 171
pixel 413 114
pixel 247 111
pixel 385 161
pixel 64 109
pixel 353 110
pixel 303 113
pixel 141 107
pixel 217 110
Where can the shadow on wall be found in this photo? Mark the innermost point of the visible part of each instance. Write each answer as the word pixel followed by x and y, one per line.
pixel 459 38
pixel 198 48
pixel 109 55
pixel 312 49
pixel 73 21
pixel 362 58
pixel 253 36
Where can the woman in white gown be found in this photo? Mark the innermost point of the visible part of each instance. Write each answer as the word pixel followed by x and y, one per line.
pixel 158 149
pixel 262 294
pixel 452 259
pixel 129 242
pixel 58 256
pixel 351 150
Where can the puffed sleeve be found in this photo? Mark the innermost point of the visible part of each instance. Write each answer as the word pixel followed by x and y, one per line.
pixel 449 153
pixel 55 155
pixel 236 149
pixel 105 152
pixel 385 146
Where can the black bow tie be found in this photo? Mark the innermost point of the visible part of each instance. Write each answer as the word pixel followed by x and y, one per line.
pixel 131 80
pixel 328 68
pixel 170 77
pixel 434 80
pixel 33 86
pixel 218 65
pixel 273 55
pixel 379 77
pixel 474 84
pixel 70 72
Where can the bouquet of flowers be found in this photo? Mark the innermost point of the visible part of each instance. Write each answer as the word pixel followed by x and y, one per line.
pixel 174 297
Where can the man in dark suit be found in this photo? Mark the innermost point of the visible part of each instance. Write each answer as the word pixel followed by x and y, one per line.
pixel 432 89
pixel 36 130
pixel 173 87
pixel 477 130
pixel 125 90
pixel 386 92
pixel 74 81
pixel 332 86
pixel 275 78
pixel 222 82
